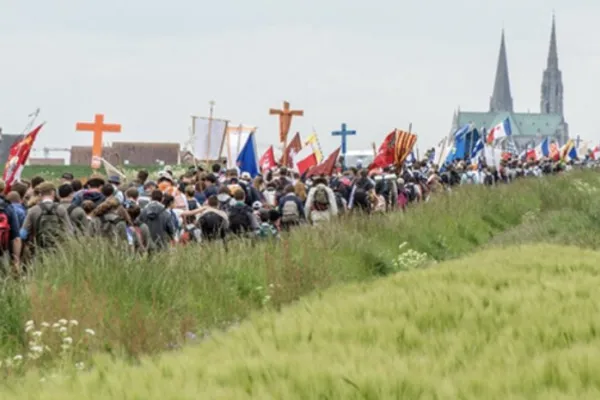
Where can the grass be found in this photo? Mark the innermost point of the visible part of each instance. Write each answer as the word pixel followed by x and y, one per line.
pixel 145 307
pixel 515 322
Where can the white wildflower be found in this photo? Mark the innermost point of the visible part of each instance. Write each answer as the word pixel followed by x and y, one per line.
pixel 65 347
pixel 29 328
pixel 55 326
pixel 63 329
pixel 37 334
pixel 90 332
pixel 45 325
pixel 29 323
pixel 18 358
pixel 68 340
pixel 37 349
pixel 62 321
pixel 73 322
pixel 80 366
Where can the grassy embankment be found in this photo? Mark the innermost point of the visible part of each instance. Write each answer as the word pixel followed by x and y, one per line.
pixel 140 307
pixel 519 323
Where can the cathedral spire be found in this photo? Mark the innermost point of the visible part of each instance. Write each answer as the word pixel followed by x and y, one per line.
pixel 553 52
pixel 501 99
pixel 552 85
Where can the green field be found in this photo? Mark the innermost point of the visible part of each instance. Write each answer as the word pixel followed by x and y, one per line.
pixel 519 322
pixel 493 324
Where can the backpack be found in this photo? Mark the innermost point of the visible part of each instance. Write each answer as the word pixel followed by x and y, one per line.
pixel 211 225
pixel 267 231
pixel 70 209
pixel 4 229
pixel 290 213
pixel 321 199
pixel 470 178
pixel 411 192
pixel 48 226
pixel 239 219
pixel 339 200
pixel 488 180
pixel 109 225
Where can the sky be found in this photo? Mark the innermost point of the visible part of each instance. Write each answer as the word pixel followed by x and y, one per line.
pixel 375 65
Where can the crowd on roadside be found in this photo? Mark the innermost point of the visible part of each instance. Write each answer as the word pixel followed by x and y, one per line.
pixel 147 216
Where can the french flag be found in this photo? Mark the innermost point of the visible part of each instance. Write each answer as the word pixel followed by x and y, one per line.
pixel 502 130
pixel 541 150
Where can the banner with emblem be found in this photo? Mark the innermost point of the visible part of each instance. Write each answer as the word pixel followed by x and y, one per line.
pixel 17 157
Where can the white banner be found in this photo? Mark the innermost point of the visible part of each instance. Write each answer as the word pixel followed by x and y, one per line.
pixel 208 145
pixel 233 144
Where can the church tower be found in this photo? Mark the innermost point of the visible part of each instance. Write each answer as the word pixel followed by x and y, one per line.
pixel 552 85
pixel 501 99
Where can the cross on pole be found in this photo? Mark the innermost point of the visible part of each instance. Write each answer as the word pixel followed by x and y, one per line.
pixel 285 121
pixel 344 133
pixel 98 127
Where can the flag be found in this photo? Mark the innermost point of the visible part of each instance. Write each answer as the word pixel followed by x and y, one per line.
pixel 305 159
pixel 511 147
pixel 111 170
pixel 502 130
pixel 464 139
pixel 554 152
pixel 313 140
pixel 477 151
pixel 595 153
pixel 293 147
pixel 411 158
pixel 17 157
pixel 386 154
pixel 267 161
pixel 405 142
pixel 247 160
pixel 541 150
pixel 209 137
pixel 326 167
pixel 568 152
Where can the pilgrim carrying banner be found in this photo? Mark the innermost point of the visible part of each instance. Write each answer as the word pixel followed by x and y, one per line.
pixel 208 137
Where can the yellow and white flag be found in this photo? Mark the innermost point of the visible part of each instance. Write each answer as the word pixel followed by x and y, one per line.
pixel 313 140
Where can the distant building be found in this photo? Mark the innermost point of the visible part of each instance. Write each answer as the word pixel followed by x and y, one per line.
pixel 46 161
pixel 132 153
pixel 527 128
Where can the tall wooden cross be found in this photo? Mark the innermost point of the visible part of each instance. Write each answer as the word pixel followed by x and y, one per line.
pixel 98 127
pixel 285 121
pixel 344 133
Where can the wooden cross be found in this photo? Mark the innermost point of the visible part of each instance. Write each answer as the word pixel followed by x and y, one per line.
pixel 343 133
pixel 285 119
pixel 98 127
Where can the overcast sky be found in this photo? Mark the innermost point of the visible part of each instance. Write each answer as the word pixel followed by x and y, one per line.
pixel 375 64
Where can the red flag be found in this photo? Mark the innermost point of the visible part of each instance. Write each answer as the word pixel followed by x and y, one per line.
pixel 326 167
pixel 291 150
pixel 17 157
pixel 267 161
pixel 386 155
pixel 306 159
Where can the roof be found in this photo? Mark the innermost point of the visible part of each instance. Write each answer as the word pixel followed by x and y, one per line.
pixel 522 124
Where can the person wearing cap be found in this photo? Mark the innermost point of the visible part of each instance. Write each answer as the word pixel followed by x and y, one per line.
pixel 45 205
pixel 166 184
pixel 115 181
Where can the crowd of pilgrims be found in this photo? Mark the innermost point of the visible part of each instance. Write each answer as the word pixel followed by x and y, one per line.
pixel 147 215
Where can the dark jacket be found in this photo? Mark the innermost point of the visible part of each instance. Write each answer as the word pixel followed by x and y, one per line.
pixel 160 223
pixel 96 197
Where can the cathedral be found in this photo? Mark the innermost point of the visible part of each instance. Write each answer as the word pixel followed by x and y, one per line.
pixel 527 128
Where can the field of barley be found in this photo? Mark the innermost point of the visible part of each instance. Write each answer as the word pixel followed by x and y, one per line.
pixel 491 295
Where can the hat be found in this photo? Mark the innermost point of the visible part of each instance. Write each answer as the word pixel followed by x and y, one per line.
pixel 165 176
pixel 256 205
pixel 149 183
pixel 246 176
pixel 96 180
pixel 68 176
pixel 114 179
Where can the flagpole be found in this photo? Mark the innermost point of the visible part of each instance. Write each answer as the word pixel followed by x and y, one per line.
pixel 210 118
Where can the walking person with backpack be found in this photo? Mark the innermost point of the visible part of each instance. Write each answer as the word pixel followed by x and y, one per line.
pixel 241 218
pixel 46 224
pixel 75 212
pixel 321 205
pixel 11 245
pixel 109 221
pixel 291 209
pixel 160 223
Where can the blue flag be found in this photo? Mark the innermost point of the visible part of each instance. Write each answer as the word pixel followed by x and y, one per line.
pixel 247 161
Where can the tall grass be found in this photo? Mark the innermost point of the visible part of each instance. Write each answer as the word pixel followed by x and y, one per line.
pixel 144 306
pixel 514 323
